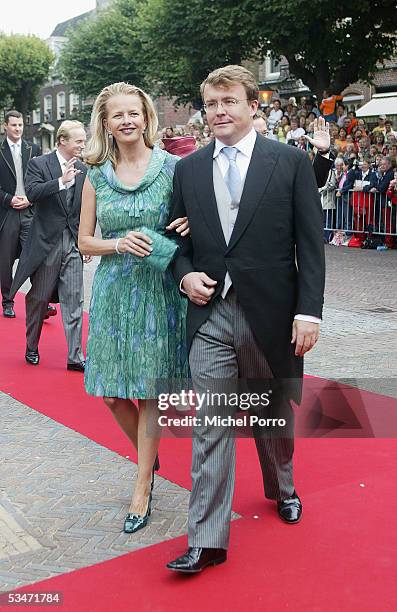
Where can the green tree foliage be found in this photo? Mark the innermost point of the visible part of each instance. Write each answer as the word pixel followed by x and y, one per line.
pixel 103 49
pixel 169 46
pixel 327 44
pixel 24 66
pixel 183 41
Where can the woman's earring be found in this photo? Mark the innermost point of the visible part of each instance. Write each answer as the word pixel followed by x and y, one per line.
pixel 110 136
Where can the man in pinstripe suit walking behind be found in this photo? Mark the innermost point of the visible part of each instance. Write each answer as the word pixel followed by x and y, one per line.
pixel 50 256
pixel 253 271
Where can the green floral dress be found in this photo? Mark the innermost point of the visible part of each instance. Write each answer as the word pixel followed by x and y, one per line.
pixel 137 317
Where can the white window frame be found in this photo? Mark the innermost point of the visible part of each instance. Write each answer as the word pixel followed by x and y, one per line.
pixel 74 102
pixel 36 115
pixel 48 108
pixel 61 107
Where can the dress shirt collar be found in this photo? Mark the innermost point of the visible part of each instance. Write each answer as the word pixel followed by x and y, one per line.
pixel 244 146
pixel 62 160
pixel 11 143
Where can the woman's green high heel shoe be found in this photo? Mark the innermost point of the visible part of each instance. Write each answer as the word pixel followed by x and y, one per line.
pixel 134 522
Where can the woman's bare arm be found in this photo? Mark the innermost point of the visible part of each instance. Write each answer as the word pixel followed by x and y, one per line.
pixel 136 243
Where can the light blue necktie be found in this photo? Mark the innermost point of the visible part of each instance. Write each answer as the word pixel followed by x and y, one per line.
pixel 232 176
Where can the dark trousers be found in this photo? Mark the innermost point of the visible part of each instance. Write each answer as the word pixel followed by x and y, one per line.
pixel 62 269
pixel 329 221
pixel 224 358
pixel 344 213
pixel 12 237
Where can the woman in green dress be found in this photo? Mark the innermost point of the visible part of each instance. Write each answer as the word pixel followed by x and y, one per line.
pixel 137 317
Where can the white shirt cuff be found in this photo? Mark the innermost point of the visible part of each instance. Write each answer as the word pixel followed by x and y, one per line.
pixel 61 185
pixel 308 318
pixel 180 285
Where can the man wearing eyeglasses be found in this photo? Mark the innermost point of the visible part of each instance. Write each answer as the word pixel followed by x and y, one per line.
pixel 253 272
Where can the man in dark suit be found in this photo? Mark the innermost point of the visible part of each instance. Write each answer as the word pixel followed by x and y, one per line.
pixel 253 272
pixel 384 175
pixel 50 256
pixel 16 211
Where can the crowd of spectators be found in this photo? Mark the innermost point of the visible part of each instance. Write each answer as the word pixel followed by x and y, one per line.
pixel 360 197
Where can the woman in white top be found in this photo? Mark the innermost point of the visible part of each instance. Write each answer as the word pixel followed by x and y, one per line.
pixel 295 132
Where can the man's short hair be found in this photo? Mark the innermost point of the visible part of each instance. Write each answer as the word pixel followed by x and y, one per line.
pixel 232 75
pixel 12 113
pixel 65 128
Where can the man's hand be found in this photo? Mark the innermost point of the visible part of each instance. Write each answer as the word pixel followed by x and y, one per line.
pixel 19 202
pixel 87 259
pixel 181 225
pixel 70 171
pixel 321 138
pixel 304 335
pixel 199 287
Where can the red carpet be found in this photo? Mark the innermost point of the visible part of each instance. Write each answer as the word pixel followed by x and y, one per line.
pixel 341 557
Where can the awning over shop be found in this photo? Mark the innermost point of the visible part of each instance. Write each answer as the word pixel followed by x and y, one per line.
pixel 381 104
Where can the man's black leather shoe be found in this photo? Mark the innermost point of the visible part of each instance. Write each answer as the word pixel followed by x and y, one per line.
pixel 32 357
pixel 51 312
pixel 76 367
pixel 196 559
pixel 290 510
pixel 9 312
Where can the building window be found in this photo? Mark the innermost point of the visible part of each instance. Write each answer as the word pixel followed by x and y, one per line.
pixel 73 103
pixel 274 64
pixel 36 115
pixel 47 108
pixel 61 105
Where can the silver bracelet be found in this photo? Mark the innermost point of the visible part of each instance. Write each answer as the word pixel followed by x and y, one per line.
pixel 116 247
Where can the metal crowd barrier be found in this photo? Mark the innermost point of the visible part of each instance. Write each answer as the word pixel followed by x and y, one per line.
pixel 362 212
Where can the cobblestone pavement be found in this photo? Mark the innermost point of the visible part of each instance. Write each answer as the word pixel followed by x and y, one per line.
pixel 63 497
pixel 358 341
pixel 63 500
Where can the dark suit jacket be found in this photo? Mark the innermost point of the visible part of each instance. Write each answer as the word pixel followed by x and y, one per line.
pixel 8 179
pixel 275 256
pixel 52 215
pixel 321 167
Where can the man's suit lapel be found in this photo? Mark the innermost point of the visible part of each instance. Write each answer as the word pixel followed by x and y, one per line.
pixel 56 173
pixel 26 155
pixel 204 187
pixel 6 154
pixel 260 170
pixel 79 183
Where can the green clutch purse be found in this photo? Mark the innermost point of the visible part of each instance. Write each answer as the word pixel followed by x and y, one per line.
pixel 163 252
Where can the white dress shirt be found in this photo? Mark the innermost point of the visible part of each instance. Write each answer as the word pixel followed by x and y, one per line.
pixel 244 147
pixel 15 147
pixel 274 117
pixel 295 134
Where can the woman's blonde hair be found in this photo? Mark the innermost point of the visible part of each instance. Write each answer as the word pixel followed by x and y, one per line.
pixel 100 147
